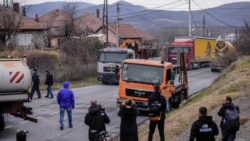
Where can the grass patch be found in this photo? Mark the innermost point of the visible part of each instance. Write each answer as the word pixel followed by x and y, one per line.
pixel 234 81
pixel 73 84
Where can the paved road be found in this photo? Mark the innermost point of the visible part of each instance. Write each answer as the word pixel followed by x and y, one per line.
pixel 46 110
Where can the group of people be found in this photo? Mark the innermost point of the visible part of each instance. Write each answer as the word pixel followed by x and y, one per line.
pixel 203 129
pixel 36 83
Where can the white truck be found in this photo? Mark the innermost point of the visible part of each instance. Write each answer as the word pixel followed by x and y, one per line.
pixel 15 81
pixel 108 62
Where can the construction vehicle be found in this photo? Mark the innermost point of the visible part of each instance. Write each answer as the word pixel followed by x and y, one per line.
pixel 138 77
pixel 224 55
pixel 14 85
pixel 108 62
pixel 199 51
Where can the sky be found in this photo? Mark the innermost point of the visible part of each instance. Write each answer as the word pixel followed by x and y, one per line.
pixel 175 5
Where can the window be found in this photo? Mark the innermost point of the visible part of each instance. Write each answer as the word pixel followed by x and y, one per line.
pixel 175 50
pixel 142 73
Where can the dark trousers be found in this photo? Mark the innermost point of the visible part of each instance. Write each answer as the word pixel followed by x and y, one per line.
pixel 152 126
pixel 228 136
pixel 33 89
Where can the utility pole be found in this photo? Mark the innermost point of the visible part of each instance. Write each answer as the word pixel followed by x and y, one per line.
pixel 105 21
pixel 117 24
pixel 189 18
pixel 204 25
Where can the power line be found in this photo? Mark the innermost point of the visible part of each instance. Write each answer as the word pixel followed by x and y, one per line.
pixel 212 15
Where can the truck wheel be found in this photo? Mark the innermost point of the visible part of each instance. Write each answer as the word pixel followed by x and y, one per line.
pixel 185 94
pixel 2 123
pixel 104 82
pixel 169 105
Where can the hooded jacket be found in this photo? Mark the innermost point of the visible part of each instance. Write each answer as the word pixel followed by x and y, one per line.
pixel 204 129
pixel 222 111
pixel 65 96
pixel 96 119
pixel 128 126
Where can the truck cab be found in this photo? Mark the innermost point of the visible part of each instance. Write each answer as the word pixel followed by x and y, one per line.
pixel 185 45
pixel 108 63
pixel 138 76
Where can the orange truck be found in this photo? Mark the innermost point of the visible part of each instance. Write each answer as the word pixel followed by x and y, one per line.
pixel 138 77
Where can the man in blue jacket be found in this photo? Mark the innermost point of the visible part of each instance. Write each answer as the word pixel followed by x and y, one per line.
pixel 66 101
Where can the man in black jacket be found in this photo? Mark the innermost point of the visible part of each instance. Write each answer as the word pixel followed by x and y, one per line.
pixel 227 104
pixel 204 129
pixel 96 119
pixel 49 82
pixel 36 83
pixel 156 96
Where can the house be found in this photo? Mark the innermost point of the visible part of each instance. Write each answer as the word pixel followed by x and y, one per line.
pixel 231 37
pixel 87 24
pixel 57 21
pixel 90 25
pixel 18 30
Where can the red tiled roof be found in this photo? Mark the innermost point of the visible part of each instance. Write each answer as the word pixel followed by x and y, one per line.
pixel 54 18
pixel 147 36
pixel 25 22
pixel 126 30
pixel 89 21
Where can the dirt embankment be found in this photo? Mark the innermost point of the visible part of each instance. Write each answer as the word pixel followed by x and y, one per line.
pixel 234 82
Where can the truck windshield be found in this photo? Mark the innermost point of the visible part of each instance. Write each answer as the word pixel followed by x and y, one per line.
pixel 116 57
pixel 174 50
pixel 142 73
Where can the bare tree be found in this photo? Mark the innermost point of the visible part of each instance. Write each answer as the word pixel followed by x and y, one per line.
pixel 70 8
pixel 243 46
pixel 10 22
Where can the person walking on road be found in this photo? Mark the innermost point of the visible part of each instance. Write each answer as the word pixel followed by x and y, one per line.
pixel 66 101
pixel 35 84
pixel 203 129
pixel 128 127
pixel 156 96
pixel 96 118
pixel 229 111
pixel 49 82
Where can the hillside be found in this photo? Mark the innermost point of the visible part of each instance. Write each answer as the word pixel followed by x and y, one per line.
pixel 228 15
pixel 234 82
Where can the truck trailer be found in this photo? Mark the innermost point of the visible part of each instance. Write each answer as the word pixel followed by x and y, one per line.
pixel 15 82
pixel 199 51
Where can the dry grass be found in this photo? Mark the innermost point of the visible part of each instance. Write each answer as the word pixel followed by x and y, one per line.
pixel 234 81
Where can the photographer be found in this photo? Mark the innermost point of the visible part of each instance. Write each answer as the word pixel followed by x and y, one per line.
pixel 96 119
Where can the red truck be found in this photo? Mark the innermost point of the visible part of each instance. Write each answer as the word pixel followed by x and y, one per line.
pixel 199 51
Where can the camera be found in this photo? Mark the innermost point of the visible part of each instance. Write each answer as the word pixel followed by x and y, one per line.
pixel 102 108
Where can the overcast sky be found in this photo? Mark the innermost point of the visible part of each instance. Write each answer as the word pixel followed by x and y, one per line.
pixel 156 4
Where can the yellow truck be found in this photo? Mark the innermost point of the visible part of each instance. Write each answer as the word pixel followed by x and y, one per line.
pixel 199 51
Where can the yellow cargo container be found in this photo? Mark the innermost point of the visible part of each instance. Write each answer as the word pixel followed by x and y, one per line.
pixel 204 49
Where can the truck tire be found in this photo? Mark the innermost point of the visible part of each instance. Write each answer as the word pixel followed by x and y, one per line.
pixel 185 94
pixel 104 82
pixel 178 99
pixel 169 105
pixel 2 123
